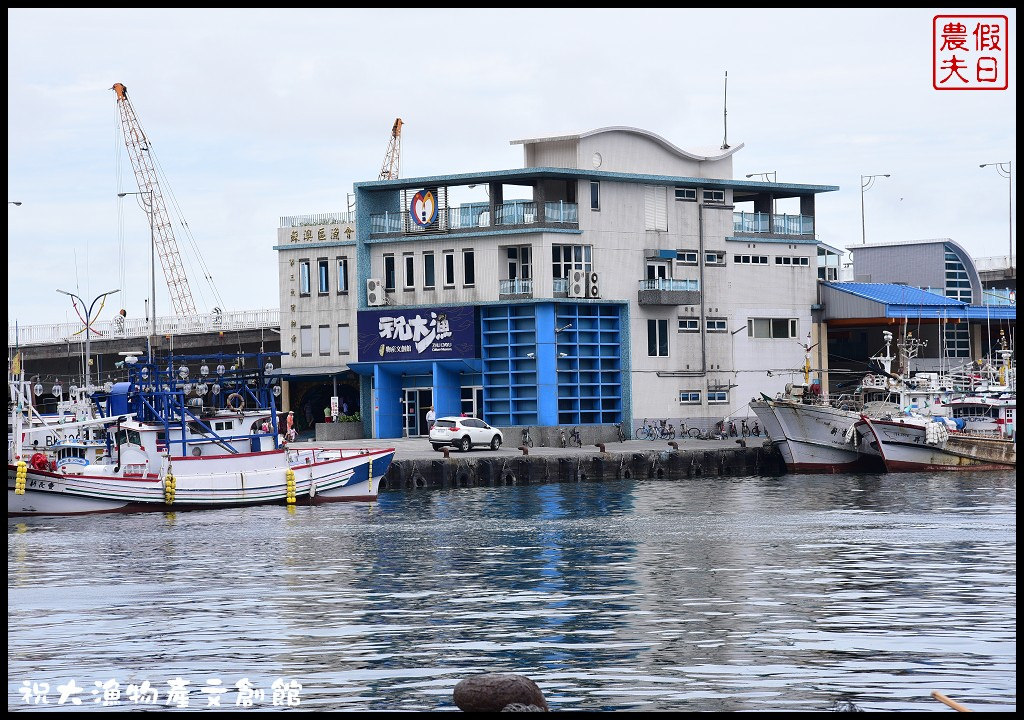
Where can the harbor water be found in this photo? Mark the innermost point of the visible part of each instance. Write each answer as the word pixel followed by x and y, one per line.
pixel 798 592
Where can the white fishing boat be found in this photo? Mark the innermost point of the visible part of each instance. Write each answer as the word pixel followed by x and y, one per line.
pixel 919 444
pixel 171 444
pixel 978 434
pixel 815 434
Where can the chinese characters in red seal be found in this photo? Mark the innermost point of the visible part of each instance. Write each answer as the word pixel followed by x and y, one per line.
pixel 970 52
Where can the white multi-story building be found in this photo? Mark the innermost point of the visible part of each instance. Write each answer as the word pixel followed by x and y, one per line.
pixel 615 277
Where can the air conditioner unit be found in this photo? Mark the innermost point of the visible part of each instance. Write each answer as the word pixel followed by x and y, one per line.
pixel 577 284
pixel 593 285
pixel 375 293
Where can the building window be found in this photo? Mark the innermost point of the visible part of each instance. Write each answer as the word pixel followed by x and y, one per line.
pixel 410 275
pixel 795 261
pixel 689 325
pixel 325 339
pixel 389 273
pixel 714 196
pixel 957 340
pixel 342 275
pixel 719 325
pixel 657 270
pixel 686 257
pixel 570 257
pixel 750 259
pixel 306 340
pixel 468 269
pixel 689 397
pixel 344 340
pixel 774 328
pixel 718 397
pixel 714 258
pixel 322 275
pixel 519 262
pixel 595 195
pixel 657 338
pixel 958 284
pixel 449 268
pixel 303 277
pixel 656 207
pixel 428 271
pixel 686 193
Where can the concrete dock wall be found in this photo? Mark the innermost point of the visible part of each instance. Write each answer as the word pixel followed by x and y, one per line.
pixel 488 471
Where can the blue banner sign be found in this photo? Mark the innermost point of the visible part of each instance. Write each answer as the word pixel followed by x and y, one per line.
pixel 443 333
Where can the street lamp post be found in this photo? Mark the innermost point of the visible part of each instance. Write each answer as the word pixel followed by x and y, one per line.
pixel 1006 173
pixel 866 181
pixel 765 176
pixel 88 323
pixel 152 269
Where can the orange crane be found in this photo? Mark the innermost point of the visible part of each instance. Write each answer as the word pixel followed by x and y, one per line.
pixel 165 244
pixel 393 158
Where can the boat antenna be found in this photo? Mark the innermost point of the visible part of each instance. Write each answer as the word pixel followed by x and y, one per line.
pixel 725 113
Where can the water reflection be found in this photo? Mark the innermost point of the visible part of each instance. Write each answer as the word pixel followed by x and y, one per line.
pixel 713 594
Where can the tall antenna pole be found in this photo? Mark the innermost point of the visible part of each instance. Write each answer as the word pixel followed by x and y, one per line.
pixel 725 113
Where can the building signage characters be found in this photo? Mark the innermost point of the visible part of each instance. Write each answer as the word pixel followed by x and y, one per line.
pixel 420 334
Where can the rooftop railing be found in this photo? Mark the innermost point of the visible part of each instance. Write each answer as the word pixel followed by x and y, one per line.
pixel 773 224
pixel 335 218
pixel 478 215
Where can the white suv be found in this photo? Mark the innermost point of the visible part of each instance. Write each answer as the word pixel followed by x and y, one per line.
pixel 464 433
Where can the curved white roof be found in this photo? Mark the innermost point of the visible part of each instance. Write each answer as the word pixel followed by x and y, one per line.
pixel 717 154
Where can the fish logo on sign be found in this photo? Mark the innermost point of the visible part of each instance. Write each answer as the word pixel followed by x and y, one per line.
pixel 423 208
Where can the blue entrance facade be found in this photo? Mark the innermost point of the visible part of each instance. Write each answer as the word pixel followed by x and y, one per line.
pixel 539 363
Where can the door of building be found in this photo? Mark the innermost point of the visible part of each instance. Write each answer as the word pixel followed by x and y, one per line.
pixel 416 402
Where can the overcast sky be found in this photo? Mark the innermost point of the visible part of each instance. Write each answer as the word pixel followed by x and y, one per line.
pixel 257 114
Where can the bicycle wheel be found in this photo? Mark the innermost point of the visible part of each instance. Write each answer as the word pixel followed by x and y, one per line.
pixel 746 432
pixel 671 435
pixel 622 433
pixel 694 432
pixel 641 432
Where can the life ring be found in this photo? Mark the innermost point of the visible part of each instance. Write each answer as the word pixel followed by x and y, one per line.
pixel 869 379
pixel 234 401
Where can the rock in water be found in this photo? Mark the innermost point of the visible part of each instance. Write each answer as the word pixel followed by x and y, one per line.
pixel 494 691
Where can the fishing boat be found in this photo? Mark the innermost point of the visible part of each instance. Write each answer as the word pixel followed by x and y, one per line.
pixel 171 443
pixel 818 434
pixel 979 433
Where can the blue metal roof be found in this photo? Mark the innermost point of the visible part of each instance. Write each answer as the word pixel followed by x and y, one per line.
pixel 904 301
pixel 893 294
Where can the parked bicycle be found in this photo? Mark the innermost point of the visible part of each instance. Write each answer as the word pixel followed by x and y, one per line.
pixel 748 431
pixel 621 432
pixel 562 440
pixel 646 431
pixel 575 438
pixel 527 438
pixel 666 431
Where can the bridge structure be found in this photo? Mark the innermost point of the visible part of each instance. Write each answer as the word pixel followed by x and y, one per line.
pixel 55 352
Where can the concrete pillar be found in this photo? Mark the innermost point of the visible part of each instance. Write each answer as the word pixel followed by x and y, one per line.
pixel 447 391
pixel 388 411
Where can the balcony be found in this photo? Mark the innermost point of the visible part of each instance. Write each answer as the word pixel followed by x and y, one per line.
pixel 474 216
pixel 517 289
pixel 666 291
pixel 768 224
